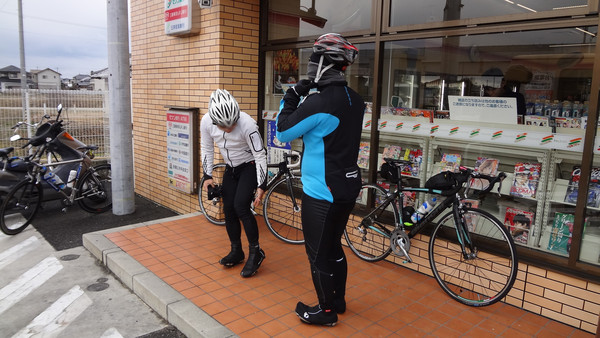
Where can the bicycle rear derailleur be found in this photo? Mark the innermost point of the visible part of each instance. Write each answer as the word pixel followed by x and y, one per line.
pixel 400 243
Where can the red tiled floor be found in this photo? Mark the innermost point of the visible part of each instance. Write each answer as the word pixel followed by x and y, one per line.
pixel 383 299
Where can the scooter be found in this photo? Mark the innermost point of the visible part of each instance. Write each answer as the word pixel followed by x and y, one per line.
pixel 61 146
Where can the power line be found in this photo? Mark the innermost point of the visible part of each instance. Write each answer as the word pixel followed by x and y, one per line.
pixel 56 21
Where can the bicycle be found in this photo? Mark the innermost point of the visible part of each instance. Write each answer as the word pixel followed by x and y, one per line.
pixel 90 186
pixel 471 254
pixel 282 212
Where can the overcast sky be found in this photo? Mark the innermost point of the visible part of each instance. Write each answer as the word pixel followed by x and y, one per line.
pixel 68 36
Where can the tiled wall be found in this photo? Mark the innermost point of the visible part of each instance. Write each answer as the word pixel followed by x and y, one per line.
pixel 557 296
pixel 182 72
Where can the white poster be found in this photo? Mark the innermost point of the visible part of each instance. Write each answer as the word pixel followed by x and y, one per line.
pixel 483 109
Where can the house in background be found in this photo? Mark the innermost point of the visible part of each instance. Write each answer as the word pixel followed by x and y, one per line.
pixel 81 82
pixel 10 77
pixel 99 79
pixel 46 78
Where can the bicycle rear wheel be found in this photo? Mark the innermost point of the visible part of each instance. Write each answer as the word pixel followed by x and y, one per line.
pixel 282 217
pixel 94 189
pixel 20 206
pixel 213 209
pixel 370 225
pixel 489 269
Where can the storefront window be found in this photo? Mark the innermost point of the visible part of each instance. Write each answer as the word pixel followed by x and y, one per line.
pixel 511 102
pixel 427 11
pixel 297 18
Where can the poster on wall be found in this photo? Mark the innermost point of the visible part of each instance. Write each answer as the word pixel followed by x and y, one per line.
pixel 275 148
pixel 181 149
pixel 285 70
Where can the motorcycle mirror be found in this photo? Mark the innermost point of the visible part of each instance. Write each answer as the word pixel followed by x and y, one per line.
pixel 15 137
pixel 59 108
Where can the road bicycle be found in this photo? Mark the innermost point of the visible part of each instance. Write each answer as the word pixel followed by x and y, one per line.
pixel 471 254
pixel 282 204
pixel 89 186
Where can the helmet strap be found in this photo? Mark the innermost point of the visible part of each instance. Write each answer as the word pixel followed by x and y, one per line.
pixel 321 72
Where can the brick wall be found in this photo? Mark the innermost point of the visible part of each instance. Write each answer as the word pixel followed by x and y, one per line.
pixel 566 299
pixel 182 72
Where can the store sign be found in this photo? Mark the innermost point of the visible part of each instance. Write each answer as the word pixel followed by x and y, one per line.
pixel 178 17
pixel 483 109
pixel 181 142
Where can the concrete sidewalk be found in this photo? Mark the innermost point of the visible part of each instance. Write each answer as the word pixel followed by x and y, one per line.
pixel 172 264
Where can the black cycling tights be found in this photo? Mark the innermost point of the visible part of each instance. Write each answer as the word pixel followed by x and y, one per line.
pixel 323 224
pixel 239 184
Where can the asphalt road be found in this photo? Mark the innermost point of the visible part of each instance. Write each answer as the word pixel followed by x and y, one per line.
pixel 63 230
pixel 52 247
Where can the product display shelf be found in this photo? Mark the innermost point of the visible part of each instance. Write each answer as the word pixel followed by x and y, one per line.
pixel 562 164
pixel 507 156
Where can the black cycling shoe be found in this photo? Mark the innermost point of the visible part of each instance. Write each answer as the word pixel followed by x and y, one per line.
pixel 339 304
pixel 255 259
pixel 316 315
pixel 235 256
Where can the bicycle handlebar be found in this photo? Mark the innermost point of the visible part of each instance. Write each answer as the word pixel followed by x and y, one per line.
pixel 466 174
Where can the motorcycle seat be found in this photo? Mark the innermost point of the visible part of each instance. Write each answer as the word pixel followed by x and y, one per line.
pixel 5 151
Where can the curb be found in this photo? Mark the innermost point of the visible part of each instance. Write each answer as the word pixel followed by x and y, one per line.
pixel 160 296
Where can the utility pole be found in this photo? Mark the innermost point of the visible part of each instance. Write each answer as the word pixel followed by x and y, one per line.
pixel 22 60
pixel 121 129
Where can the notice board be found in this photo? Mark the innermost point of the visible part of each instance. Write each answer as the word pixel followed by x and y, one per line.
pixel 182 149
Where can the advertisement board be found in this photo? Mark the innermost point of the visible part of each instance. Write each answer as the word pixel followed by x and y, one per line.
pixel 181 149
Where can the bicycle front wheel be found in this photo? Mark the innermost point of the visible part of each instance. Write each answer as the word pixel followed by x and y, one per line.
pixel 371 224
pixel 213 209
pixel 282 210
pixel 486 271
pixel 94 189
pixel 20 206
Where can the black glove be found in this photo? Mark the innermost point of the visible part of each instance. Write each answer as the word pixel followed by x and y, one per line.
pixel 303 87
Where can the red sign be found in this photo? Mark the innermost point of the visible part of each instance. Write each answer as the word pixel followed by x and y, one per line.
pixel 176 13
pixel 178 118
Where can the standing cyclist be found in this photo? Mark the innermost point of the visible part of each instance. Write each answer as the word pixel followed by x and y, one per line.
pixel 330 124
pixel 236 134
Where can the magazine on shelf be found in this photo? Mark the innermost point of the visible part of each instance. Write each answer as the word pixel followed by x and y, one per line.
pixel 527 176
pixel 561 233
pixel 470 218
pixel 363 155
pixel 450 162
pixel 534 120
pixel 486 166
pixel 518 222
pixel 392 151
pixel 415 156
pixel 593 199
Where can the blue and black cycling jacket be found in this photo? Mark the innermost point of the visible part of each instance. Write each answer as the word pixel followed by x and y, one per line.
pixel 330 124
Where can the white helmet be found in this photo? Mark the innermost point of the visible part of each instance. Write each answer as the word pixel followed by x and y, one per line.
pixel 223 108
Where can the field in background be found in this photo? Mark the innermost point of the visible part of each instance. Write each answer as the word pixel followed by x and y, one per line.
pixel 85 114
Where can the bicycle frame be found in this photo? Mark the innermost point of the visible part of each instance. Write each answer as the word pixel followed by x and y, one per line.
pixel 452 200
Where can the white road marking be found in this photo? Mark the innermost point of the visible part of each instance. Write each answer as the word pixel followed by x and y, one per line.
pixel 18 251
pixel 27 282
pixel 111 333
pixel 58 315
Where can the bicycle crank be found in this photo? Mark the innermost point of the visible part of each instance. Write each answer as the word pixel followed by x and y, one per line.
pixel 400 243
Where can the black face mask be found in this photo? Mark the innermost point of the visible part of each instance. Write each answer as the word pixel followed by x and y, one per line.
pixel 322 71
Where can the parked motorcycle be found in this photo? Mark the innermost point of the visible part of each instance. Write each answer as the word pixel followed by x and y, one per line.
pixel 62 146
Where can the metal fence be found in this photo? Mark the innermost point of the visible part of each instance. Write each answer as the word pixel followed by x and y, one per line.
pixel 85 114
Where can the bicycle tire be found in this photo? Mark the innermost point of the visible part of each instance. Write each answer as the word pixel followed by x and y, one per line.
pixel 281 218
pixel 487 276
pixel 20 206
pixel 94 189
pixel 368 231
pixel 213 209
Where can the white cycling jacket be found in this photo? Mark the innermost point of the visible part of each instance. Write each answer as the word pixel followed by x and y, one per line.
pixel 243 144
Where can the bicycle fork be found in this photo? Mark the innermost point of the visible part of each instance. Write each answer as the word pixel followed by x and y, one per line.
pixel 462 232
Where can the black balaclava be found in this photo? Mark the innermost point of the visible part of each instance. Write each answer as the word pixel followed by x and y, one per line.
pixel 323 72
